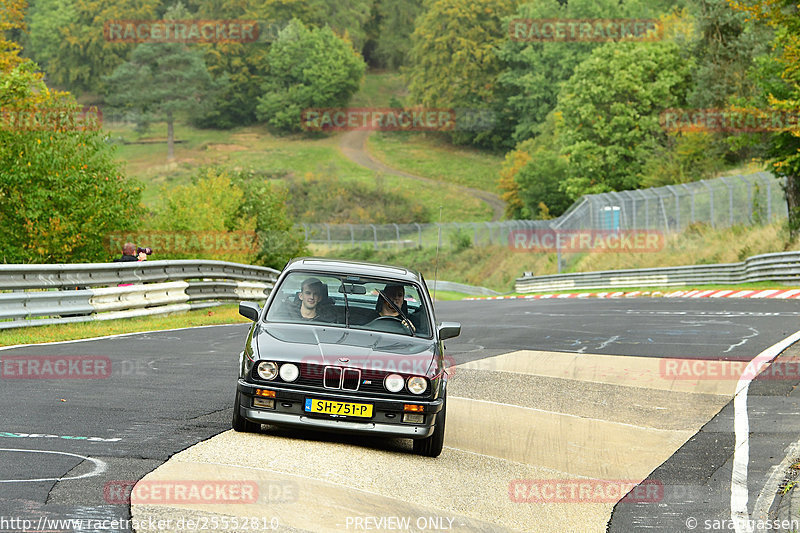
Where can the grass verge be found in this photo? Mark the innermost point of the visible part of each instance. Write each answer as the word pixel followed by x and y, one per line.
pixel 224 314
pixel 431 157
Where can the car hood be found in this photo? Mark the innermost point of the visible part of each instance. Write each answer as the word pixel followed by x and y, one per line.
pixel 345 347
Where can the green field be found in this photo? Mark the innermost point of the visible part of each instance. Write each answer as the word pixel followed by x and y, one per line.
pixel 285 157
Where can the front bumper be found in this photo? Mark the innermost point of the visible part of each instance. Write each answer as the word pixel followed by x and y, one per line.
pixel 386 419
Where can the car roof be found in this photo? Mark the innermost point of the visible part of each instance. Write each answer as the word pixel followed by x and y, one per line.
pixel 361 268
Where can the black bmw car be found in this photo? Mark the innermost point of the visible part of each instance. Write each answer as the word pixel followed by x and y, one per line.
pixel 349 347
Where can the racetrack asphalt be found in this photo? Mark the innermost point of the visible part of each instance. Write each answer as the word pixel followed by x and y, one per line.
pixel 170 390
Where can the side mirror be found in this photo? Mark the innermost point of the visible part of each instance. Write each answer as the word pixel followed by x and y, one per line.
pixel 448 330
pixel 249 310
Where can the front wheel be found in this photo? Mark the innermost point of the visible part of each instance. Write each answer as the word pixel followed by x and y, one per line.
pixel 432 446
pixel 240 423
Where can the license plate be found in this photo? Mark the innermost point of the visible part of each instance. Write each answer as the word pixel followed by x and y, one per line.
pixel 363 410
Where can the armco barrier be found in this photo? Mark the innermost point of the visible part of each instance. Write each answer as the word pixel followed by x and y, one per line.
pixel 781 267
pixel 53 294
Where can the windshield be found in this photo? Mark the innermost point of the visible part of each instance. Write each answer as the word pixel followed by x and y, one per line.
pixel 356 302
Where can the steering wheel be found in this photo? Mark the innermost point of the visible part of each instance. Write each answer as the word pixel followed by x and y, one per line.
pixel 392 322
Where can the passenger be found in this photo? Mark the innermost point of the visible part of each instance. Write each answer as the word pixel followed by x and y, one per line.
pixel 312 303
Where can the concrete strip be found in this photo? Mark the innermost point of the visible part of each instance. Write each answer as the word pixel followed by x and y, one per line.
pixel 334 480
pixel 567 443
pixel 630 371
pixel 654 408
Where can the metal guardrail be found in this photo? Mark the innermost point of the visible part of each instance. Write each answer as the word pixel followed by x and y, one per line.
pixel 782 267
pixel 52 294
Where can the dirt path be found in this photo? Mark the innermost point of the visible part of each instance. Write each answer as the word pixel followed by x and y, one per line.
pixel 353 146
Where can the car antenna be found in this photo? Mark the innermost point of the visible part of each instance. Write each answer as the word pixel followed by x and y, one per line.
pixel 436 261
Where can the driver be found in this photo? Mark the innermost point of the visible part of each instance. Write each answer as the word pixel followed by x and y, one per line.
pixel 397 294
pixel 312 302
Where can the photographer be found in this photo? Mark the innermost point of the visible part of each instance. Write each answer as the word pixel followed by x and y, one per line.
pixel 128 253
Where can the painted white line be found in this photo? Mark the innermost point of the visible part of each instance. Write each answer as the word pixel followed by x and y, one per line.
pixel 118 335
pixel 99 466
pixel 741 428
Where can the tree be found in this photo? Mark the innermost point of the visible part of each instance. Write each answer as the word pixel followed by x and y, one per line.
pixel 308 68
pixel 389 42
pixel 13 20
pixel 84 57
pixel 232 202
pixel 533 72
pixel 161 80
pixel 532 175
pixel 61 190
pixel 48 18
pixel 453 61
pixel 610 110
pixel 782 95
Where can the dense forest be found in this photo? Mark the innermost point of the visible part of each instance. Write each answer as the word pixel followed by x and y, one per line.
pixel 572 115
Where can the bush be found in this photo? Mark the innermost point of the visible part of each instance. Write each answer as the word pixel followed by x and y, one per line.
pixel 307 69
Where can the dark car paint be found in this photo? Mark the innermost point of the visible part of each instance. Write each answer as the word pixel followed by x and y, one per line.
pixel 325 345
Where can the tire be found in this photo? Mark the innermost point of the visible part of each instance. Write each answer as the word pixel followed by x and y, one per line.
pixel 432 446
pixel 239 423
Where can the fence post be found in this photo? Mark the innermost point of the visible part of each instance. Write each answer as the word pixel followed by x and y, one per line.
pixel 419 233
pixel 328 228
pixel 671 188
pixel 730 200
pixel 710 200
pixel 691 193
pixel 352 236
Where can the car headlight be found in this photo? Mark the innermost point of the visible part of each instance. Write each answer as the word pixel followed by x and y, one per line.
pixel 393 382
pixel 267 370
pixel 417 385
pixel 289 372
